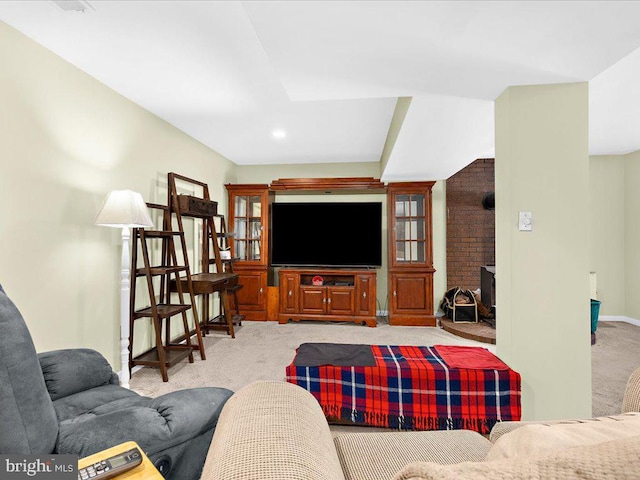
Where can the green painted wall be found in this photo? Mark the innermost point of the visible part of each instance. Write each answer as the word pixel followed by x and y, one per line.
pixel 632 233
pixel 66 140
pixel 607 231
pixel 542 279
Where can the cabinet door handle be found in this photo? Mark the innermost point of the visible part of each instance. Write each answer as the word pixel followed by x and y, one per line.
pixel 364 294
pixel 290 293
pixel 394 293
pixel 324 300
pixel 329 301
pixel 260 291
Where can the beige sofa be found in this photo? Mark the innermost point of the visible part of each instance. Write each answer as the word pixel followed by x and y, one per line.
pixel 275 430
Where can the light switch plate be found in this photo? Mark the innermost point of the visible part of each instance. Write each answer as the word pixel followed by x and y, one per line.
pixel 525 220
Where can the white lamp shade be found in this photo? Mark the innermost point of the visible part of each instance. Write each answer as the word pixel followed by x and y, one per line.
pixel 124 208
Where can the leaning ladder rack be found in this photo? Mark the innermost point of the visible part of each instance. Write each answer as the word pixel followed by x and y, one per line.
pixel 167 351
pixel 223 281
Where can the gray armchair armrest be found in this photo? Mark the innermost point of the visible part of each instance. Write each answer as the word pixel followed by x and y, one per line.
pixel 74 370
pixel 155 424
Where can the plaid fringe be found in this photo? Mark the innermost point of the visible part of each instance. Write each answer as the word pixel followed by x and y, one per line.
pixel 376 419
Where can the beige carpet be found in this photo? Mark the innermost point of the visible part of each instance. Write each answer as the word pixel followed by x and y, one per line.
pixel 262 350
pixel 614 357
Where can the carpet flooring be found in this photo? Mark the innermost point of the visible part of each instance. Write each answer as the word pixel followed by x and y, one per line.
pixel 614 357
pixel 262 350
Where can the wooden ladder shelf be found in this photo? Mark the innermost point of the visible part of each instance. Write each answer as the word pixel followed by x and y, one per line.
pixel 223 281
pixel 167 351
pixel 225 264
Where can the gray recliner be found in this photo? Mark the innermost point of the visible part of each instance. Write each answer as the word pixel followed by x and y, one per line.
pixel 69 401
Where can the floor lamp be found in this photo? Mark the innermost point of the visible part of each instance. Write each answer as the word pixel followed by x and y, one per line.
pixel 124 209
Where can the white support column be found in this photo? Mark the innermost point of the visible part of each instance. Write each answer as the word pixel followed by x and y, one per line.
pixel 542 272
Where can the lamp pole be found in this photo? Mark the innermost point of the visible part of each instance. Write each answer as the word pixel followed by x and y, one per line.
pixel 125 289
pixel 124 209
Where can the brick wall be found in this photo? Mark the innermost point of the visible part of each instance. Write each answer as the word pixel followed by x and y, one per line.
pixel 470 228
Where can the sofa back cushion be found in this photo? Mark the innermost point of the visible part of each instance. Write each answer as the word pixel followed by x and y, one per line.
pixel 28 420
pixel 543 437
pixel 378 455
pixel 608 460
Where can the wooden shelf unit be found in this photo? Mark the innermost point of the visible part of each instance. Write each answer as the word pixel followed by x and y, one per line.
pixel 151 358
pixel 248 221
pixel 342 185
pixel 410 258
pixel 167 352
pixel 223 281
pixel 410 279
pixel 344 296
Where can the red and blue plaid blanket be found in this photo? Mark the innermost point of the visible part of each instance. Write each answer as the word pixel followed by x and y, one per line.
pixel 412 388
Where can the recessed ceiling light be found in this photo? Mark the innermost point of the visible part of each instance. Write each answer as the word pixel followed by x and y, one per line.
pixel 73 5
pixel 279 134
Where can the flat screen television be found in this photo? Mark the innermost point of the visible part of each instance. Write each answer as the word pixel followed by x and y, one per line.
pixel 338 234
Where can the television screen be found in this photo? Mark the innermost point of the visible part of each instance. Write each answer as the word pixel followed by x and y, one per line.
pixel 344 234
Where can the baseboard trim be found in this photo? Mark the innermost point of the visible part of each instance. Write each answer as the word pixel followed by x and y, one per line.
pixel 133 370
pixel 619 318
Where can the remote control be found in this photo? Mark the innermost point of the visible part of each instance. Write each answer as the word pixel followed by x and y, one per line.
pixel 112 466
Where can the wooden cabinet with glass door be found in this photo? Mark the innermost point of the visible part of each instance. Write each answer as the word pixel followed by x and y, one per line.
pixel 248 222
pixel 410 254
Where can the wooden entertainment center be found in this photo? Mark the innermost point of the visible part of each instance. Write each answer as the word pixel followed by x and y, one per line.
pixel 336 295
pixel 345 294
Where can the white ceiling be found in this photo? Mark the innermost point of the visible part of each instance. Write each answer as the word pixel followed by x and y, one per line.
pixel 329 73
